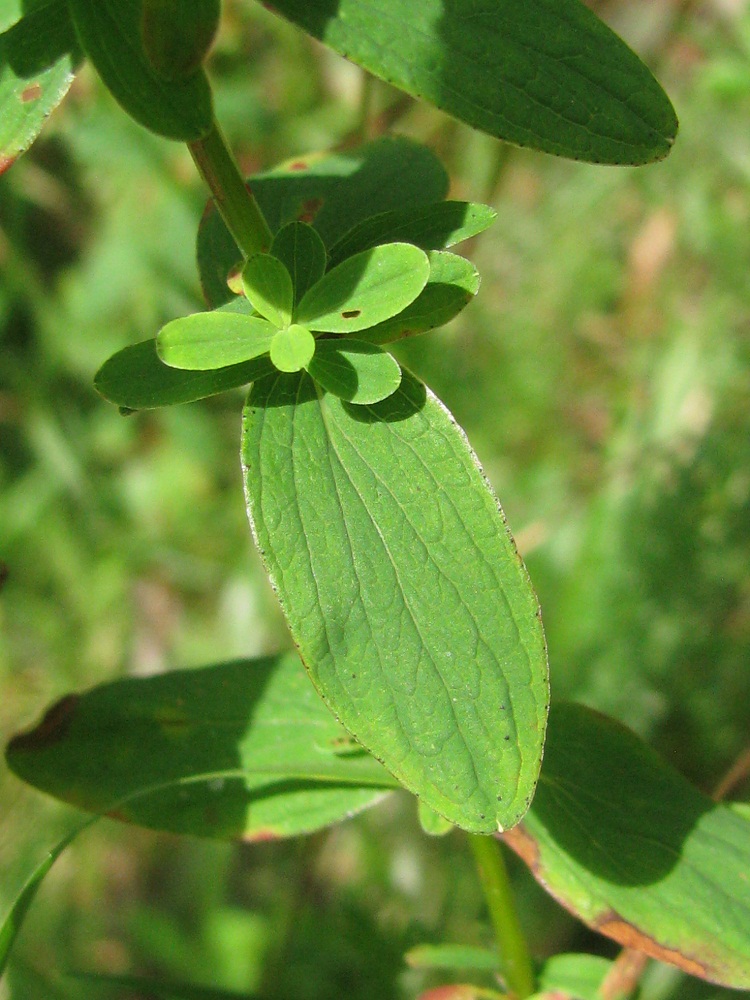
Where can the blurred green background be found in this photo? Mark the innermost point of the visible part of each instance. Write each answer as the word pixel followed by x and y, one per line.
pixel 603 377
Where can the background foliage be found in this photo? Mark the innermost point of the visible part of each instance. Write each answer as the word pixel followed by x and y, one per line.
pixel 602 376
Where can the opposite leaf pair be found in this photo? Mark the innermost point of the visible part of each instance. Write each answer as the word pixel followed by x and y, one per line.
pixel 291 304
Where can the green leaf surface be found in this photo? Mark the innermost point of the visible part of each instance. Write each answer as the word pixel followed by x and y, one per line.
pixel 38 59
pixel 432 823
pixel 355 371
pixel 403 590
pixel 11 11
pixel 452 956
pixel 163 989
pixel 240 750
pixel 213 340
pixel 292 349
pixel 268 288
pixel 629 846
pixel 333 192
pixel 453 283
pixel 136 379
pixel 576 976
pixel 299 247
pixel 544 73
pixel 177 36
pixel 431 227
pixel 365 289
pixel 110 34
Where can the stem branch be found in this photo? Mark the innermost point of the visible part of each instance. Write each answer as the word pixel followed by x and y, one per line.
pixel 514 952
pixel 238 208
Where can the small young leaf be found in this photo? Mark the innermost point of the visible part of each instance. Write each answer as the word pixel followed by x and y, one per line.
pixel 433 824
pixel 216 339
pixel 148 744
pixel 365 289
pixel 577 976
pixel 453 283
pixel 300 248
pixel 355 371
pixel 635 851
pixel 110 33
pixel 177 35
pixel 403 590
pixel 38 58
pixel 268 288
pixel 292 349
pixel 136 379
pixel 431 227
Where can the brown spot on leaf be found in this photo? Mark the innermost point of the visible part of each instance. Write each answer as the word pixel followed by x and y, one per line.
pixel 613 926
pixel 32 93
pixel 234 279
pixel 351 313
pixel 5 162
pixel 298 165
pixel 309 209
pixel 52 729
pixel 261 836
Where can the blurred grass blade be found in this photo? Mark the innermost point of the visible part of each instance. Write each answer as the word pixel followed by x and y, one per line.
pixel 137 379
pixel 332 192
pixel 635 851
pixel 13 922
pixel 239 750
pixel 544 73
pixel 431 227
pixel 110 33
pixel 452 956
pixel 453 283
pixel 38 58
pixel 403 590
pixel 161 989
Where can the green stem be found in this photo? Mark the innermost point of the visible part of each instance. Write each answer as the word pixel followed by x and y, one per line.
pixel 515 960
pixel 234 200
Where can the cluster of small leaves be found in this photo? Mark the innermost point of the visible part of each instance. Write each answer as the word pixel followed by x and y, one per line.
pixel 297 305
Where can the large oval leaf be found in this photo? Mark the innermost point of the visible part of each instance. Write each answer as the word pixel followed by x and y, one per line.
pixel 543 73
pixel 242 749
pixel 110 33
pixel 634 850
pixel 38 57
pixel 403 590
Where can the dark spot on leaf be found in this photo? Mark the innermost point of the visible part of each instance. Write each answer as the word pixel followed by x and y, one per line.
pixel 4 574
pixel 32 93
pixel 351 313
pixel 499 798
pixel 126 411
pixel 309 209
pixel 298 165
pixel 52 729
pixel 507 737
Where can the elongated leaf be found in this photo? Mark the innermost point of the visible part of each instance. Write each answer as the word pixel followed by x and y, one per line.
pixel 38 58
pixel 431 227
pixel 543 73
pixel 299 247
pixel 452 284
pixel 256 726
pixel 12 924
pixel 292 349
pixel 109 31
pixel 630 847
pixel 211 340
pixel 136 379
pixel 403 590
pixel 365 289
pixel 268 288
pixel 452 956
pixel 355 371
pixel 332 192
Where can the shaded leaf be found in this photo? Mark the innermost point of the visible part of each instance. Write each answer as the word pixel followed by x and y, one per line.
pixel 243 749
pixel 177 36
pixel 268 288
pixel 365 289
pixel 355 371
pixel 629 846
pixel 453 283
pixel 432 823
pixel 213 340
pixel 38 58
pixel 403 590
pixel 333 192
pixel 303 253
pixel 431 227
pixel 110 33
pixel 136 379
pixel 292 349
pixel 576 976
pixel 545 73
pixel 452 956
